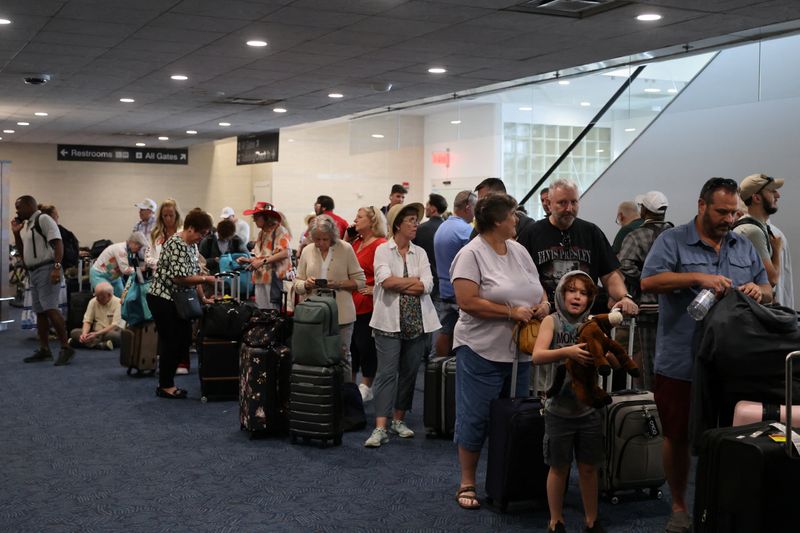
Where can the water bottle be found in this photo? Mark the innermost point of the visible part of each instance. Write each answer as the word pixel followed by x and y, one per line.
pixel 699 307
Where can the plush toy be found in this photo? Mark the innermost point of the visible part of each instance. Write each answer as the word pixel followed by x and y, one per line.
pixel 595 333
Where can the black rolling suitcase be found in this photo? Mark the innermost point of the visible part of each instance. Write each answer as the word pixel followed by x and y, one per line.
pixel 315 407
pixel 747 479
pixel 515 469
pixel 439 409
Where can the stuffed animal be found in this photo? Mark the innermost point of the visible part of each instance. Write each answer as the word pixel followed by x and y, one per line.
pixel 595 333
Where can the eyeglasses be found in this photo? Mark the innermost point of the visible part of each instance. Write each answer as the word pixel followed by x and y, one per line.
pixel 769 180
pixel 718 183
pixel 566 240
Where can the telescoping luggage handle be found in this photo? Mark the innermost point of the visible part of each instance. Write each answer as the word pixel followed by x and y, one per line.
pixel 792 439
pixel 609 380
pixel 219 285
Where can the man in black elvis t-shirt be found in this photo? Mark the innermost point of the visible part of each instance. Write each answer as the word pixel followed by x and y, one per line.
pixel 562 242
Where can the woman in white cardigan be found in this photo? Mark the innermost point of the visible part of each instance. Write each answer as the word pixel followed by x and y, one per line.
pixel 402 316
pixel 331 264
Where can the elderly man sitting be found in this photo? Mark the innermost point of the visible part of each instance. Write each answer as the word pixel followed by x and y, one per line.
pixel 100 322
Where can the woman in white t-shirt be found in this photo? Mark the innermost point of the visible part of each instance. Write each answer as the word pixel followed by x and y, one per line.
pixel 496 285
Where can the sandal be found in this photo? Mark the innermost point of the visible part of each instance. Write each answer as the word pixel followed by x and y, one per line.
pixel 179 394
pixel 468 493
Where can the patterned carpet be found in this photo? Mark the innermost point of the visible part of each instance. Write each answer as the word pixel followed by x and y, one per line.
pixel 87 448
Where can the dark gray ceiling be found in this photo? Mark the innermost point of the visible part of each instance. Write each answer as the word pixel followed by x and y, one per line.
pixel 98 51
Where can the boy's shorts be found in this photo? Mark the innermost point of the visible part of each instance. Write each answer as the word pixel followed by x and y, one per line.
pixel 583 434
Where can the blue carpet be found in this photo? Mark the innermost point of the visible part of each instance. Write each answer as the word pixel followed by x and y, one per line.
pixel 87 448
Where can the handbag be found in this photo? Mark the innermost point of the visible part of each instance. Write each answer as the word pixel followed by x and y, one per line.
pixel 187 303
pixel 525 334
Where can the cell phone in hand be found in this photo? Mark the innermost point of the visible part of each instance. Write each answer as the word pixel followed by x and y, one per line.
pixel 321 283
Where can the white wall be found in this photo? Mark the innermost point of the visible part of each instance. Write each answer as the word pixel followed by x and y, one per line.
pixel 730 122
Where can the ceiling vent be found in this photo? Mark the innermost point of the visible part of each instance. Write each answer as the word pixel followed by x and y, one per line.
pixel 235 100
pixel 568 8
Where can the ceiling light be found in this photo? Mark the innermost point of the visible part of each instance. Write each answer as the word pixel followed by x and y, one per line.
pixel 257 43
pixel 163 138
pixel 127 100
pixel 585 104
pixel 8 131
pixel 630 129
pixel 672 91
pixel 335 95
pixel 5 21
pixel 377 136
pixel 224 124
pixel 23 123
pixel 600 150
pixel 291 140
pixel 41 114
pixel 563 82
pixel 455 122
pixel 437 70
pixel 652 90
pixel 1 138
pixel 141 144
pixel 191 132
pixel 526 108
pixel 179 77
pixel 279 110
pixel 648 17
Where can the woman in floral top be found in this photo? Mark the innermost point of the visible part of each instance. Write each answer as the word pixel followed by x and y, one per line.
pixel 271 251
pixel 112 263
pixel 177 267
pixel 403 313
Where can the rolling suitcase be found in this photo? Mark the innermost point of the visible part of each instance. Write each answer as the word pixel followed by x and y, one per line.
pixel 633 441
pixel 515 468
pixel 138 348
pixel 439 409
pixel 218 357
pixel 315 406
pixel 747 476
pixel 264 386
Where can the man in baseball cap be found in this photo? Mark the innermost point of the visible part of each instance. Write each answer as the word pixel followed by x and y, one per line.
pixel 760 194
pixel 147 216
pixel 242 227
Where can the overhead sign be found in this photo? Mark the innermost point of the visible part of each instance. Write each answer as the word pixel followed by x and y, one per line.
pixel 117 154
pixel 257 148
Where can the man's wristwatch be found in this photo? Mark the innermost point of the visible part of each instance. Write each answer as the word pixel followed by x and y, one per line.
pixel 628 296
pixel 57 266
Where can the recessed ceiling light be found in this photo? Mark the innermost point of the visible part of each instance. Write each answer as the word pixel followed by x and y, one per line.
pixel 648 17
pixel 8 131
pixel 455 122
pixel 526 108
pixel 600 150
pixel 127 100
pixel 224 124
pixel 40 114
pixel 279 110
pixel 437 70
pixel 335 95
pixel 563 82
pixel 291 140
pixel 179 77
pixel 672 91
pixel 191 132
pixel 5 21
pixel 377 136
pixel 652 90
pixel 1 138
pixel 585 104
pixel 141 144
pixel 630 129
pixel 23 123
pixel 163 138
pixel 257 44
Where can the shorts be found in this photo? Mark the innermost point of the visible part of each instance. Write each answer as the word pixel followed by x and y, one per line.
pixel 673 397
pixel 478 382
pixel 584 435
pixel 448 316
pixel 44 293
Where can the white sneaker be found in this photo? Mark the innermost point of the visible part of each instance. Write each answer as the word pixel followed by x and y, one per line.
pixel 366 392
pixel 181 371
pixel 377 438
pixel 401 429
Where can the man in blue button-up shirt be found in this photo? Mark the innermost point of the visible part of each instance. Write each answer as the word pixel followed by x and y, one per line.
pixel 703 254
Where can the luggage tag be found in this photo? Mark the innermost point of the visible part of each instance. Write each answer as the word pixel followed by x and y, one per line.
pixel 795 437
pixel 650 424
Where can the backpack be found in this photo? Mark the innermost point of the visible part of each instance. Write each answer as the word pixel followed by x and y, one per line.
pixel 71 254
pixel 747 219
pixel 315 334
pixel 98 247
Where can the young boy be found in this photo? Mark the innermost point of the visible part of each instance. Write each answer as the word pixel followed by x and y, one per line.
pixel 569 424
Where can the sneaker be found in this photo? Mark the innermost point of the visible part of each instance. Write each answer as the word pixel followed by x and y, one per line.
pixel 558 529
pixel 65 356
pixel 377 438
pixel 596 528
pixel 400 428
pixel 679 522
pixel 109 345
pixel 366 392
pixel 181 371
pixel 39 355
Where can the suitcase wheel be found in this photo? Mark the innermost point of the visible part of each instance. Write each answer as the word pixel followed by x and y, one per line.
pixel 614 500
pixel 204 399
pixel 656 493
